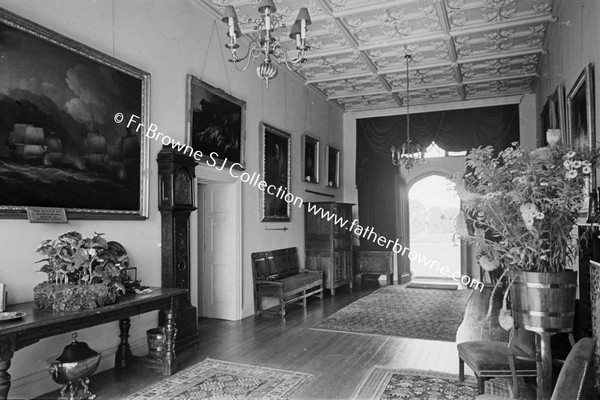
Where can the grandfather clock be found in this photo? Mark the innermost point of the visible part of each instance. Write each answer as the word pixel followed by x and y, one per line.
pixel 176 203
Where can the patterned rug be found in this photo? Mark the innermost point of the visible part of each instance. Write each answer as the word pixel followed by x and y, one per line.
pixel 397 311
pixel 214 379
pixel 383 383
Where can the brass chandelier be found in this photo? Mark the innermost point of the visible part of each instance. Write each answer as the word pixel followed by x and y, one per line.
pixel 408 154
pixel 266 45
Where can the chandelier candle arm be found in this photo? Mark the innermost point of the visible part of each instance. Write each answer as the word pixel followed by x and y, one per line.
pixel 260 50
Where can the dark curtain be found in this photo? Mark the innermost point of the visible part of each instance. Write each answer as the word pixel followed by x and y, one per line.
pixel 454 130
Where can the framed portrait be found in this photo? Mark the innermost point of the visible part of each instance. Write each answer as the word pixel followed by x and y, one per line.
pixel 545 121
pixel 276 150
pixel 580 110
pixel 67 139
pixel 557 112
pixel 310 159
pixel 581 122
pixel 215 122
pixel 333 167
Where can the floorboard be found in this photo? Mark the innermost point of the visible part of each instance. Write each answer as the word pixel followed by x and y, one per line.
pixel 337 360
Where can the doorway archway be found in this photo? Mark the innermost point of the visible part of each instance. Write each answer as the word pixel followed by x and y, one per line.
pixel 439 166
pixel 433 208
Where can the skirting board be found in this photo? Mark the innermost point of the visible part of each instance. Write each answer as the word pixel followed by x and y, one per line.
pixel 39 382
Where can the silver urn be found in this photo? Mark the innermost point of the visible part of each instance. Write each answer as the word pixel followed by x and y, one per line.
pixel 73 368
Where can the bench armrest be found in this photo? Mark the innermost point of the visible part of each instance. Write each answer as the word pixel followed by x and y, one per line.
pixel 309 271
pixel 267 283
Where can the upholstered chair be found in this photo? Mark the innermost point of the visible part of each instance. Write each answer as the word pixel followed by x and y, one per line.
pixel 490 359
pixel 576 378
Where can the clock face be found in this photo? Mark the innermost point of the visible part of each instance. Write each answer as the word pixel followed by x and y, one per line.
pixel 183 188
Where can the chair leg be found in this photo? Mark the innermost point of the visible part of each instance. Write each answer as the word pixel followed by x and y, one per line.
pixel 511 363
pixel 258 305
pixel 480 385
pixel 282 307
pixel 461 370
pixel 304 300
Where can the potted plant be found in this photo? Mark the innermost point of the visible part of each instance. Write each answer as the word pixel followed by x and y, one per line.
pixel 82 273
pixel 519 211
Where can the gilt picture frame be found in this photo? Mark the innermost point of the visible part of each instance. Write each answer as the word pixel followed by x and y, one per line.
pixel 545 121
pixel 558 112
pixel 310 159
pixel 581 114
pixel 276 153
pixel 64 135
pixel 333 166
pixel 580 110
pixel 215 123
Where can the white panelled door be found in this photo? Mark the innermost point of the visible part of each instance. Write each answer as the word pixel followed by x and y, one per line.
pixel 220 275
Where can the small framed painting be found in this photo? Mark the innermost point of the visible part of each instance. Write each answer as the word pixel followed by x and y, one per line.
pixel 333 167
pixel 310 159
pixel 545 121
pixel 215 123
pixel 581 114
pixel 580 110
pixel 557 112
pixel 276 150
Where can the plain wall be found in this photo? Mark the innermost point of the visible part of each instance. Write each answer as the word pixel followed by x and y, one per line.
pixel 168 39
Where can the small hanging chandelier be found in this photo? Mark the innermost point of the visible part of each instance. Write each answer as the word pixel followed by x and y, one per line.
pixel 409 154
pixel 260 50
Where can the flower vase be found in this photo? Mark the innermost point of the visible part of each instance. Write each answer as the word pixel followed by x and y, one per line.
pixel 553 136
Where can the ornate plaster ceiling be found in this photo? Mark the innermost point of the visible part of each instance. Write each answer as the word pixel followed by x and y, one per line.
pixel 461 49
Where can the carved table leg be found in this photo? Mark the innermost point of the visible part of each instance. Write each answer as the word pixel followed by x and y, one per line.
pixel 7 349
pixel 123 351
pixel 169 363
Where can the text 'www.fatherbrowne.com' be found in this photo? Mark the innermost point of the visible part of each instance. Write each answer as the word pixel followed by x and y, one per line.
pixel 254 179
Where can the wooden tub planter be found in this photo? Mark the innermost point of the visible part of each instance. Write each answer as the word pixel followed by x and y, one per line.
pixel 544 301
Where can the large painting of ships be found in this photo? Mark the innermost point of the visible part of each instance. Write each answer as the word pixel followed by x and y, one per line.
pixel 59 143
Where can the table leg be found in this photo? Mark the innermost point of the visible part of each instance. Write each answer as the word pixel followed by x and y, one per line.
pixel 123 351
pixel 169 363
pixel 544 366
pixel 7 349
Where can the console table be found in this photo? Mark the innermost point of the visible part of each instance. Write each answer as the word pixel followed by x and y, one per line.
pixel 39 324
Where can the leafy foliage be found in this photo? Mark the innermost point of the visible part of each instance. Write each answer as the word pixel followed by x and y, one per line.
pixel 72 259
pixel 522 205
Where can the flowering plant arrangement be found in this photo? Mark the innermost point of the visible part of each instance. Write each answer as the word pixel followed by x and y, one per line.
pixel 82 273
pixel 521 206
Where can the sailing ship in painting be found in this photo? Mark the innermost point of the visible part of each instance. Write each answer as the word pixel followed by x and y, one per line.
pixel 41 165
pixel 28 143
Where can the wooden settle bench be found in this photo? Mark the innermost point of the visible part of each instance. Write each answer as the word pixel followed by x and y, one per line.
pixel 277 273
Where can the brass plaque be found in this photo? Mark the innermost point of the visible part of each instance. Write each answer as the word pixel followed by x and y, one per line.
pixel 47 215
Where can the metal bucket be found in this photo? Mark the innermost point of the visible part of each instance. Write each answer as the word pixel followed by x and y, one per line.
pixel 156 342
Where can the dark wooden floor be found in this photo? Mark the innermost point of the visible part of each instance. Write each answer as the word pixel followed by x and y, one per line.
pixel 338 361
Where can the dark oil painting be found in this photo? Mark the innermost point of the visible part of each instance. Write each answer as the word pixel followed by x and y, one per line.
pixel 276 170
pixel 59 143
pixel 215 122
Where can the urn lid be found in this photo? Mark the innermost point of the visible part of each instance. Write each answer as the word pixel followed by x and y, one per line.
pixel 76 351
